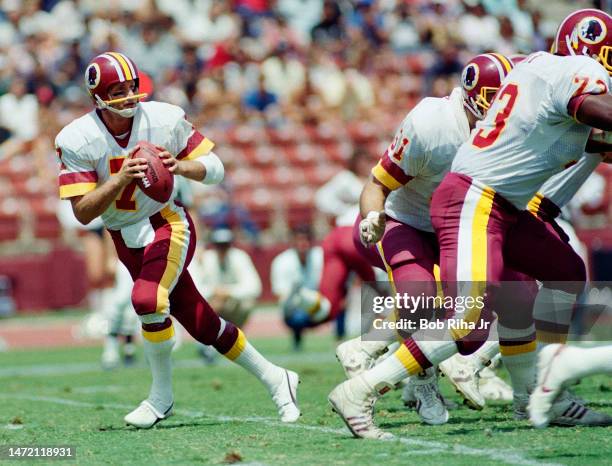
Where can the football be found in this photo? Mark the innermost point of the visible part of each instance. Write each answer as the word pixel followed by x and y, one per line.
pixel 158 182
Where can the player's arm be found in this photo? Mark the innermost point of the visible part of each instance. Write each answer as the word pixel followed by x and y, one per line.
pixel 373 197
pixel 595 110
pixel 207 169
pixel 94 203
pixel 398 166
pixel 194 156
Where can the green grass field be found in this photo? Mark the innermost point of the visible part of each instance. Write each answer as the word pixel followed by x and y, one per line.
pixel 60 397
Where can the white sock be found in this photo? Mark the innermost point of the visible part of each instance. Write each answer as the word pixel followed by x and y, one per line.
pixel 553 307
pixel 402 363
pixel 522 370
pixel 254 362
pixel 386 374
pixel 483 356
pixel 158 356
pixel 521 366
pixel 438 351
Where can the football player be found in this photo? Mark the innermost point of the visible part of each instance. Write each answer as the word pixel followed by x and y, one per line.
pixel 539 123
pixel 395 230
pixel 155 241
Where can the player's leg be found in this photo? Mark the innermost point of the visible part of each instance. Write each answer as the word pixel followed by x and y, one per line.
pixel 559 365
pixel 514 307
pixel 537 249
pixel 161 264
pixel 200 320
pixel 340 258
pixel 547 257
pixel 409 257
pixel 470 226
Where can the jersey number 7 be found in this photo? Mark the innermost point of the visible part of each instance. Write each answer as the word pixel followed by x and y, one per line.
pixel 126 200
pixel 509 92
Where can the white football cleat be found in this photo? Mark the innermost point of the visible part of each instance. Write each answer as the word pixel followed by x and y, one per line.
pixel 422 392
pixel 353 400
pixel 354 358
pixel 548 387
pixel 550 403
pixel 461 373
pixel 491 387
pixel 146 415
pixel 284 396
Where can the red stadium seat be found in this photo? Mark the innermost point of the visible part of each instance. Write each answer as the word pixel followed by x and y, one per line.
pixel 10 219
pixel 320 174
pixel 46 224
pixel 300 208
pixel 261 204
pixel 362 132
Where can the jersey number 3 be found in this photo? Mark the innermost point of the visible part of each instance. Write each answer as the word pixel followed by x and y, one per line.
pixel 126 200
pixel 484 139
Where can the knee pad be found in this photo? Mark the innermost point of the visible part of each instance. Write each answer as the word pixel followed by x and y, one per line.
pixel 144 298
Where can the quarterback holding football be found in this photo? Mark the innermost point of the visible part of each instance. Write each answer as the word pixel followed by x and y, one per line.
pixel 109 169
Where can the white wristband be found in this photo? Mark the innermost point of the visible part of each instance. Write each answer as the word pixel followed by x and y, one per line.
pixel 214 168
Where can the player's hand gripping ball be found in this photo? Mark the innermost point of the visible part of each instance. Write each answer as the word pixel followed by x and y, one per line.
pixel 158 182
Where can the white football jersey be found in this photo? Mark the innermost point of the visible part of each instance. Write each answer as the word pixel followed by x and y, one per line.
pixel 561 188
pixel 421 154
pixel 90 155
pixel 529 134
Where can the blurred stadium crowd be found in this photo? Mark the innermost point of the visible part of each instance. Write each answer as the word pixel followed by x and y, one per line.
pixel 287 89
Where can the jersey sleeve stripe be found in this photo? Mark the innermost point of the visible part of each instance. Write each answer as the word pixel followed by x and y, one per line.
pixel 80 177
pixel 76 189
pixel 388 173
pixel 197 146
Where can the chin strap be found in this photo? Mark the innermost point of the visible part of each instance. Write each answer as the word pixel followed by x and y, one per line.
pixel 126 112
pixel 478 115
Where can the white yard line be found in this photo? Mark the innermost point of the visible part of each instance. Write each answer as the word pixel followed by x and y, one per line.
pixel 505 456
pixel 89 367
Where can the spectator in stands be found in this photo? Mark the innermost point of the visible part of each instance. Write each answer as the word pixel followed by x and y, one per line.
pixel 330 29
pixel 294 273
pixel 301 15
pixel 479 31
pixel 155 50
pixel 227 278
pixel 284 74
pixel 19 111
pixel 259 99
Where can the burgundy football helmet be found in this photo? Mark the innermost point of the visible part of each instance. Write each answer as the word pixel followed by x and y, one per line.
pixel 586 32
pixel 105 70
pixel 480 80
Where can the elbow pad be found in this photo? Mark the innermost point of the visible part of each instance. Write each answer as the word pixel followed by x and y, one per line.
pixel 214 168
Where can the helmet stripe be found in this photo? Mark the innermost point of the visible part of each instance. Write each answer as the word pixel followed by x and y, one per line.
pixel 131 65
pixel 124 65
pixel 498 65
pixel 116 64
pixel 504 60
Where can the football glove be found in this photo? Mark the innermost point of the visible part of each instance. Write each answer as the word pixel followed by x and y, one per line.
pixel 372 228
